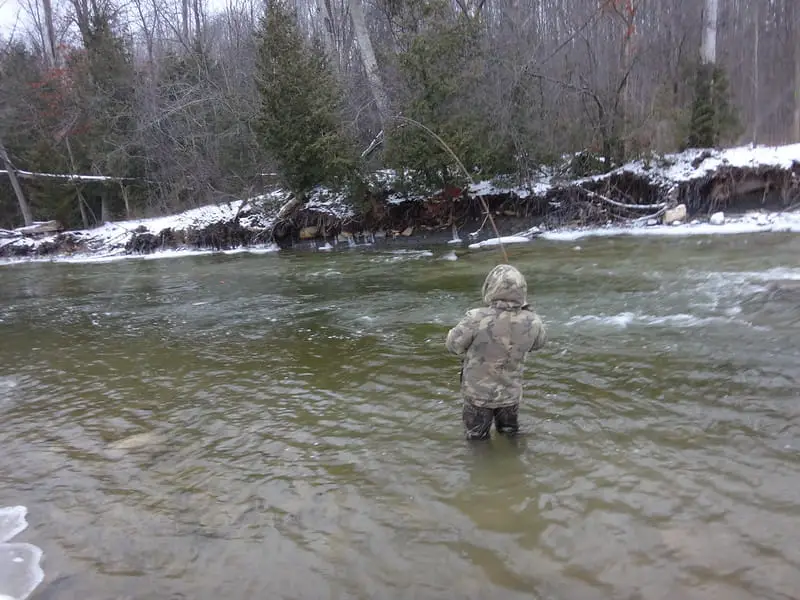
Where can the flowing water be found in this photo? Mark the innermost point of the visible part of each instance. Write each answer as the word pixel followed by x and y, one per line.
pixel 287 426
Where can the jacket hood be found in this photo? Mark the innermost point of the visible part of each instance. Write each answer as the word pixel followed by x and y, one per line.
pixel 505 286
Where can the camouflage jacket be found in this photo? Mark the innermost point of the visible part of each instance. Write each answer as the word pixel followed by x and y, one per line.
pixel 494 340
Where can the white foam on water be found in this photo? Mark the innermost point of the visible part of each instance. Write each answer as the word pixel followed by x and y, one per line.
pixel 20 570
pixel 404 255
pixel 624 319
pixel 323 273
pixel 509 239
pixel 120 255
pixel 775 273
pixel 12 521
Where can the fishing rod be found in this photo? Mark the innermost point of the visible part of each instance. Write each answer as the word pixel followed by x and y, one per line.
pixel 463 168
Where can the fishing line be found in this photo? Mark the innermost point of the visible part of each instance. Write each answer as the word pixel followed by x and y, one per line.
pixel 463 168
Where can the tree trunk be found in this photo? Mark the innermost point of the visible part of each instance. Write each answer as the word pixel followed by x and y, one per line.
pixel 127 201
pixel 368 58
pixel 23 204
pixel 623 108
pixel 796 119
pixel 50 33
pixel 794 15
pixel 703 128
pixel 329 35
pixel 708 47
pixel 81 200
pixel 105 215
pixel 185 20
pixel 756 104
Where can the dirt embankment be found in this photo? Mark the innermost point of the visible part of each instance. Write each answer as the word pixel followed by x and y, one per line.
pixel 682 187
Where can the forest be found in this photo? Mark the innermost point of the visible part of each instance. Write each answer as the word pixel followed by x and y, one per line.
pixel 116 109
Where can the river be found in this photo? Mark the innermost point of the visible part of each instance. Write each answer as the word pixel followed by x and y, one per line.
pixel 296 425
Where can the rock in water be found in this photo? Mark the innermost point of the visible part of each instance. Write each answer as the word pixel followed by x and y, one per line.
pixel 151 442
pixel 652 222
pixel 450 256
pixel 138 440
pixel 718 218
pixel 308 233
pixel 675 214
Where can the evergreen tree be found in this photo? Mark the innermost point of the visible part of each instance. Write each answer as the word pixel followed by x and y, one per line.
pixel 712 118
pixel 444 73
pixel 301 120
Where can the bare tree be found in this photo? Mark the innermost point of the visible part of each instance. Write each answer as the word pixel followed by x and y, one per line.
pixel 12 175
pixel 793 20
pixel 368 59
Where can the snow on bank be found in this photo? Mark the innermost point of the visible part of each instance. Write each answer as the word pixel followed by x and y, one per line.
pixel 696 164
pixel 109 241
pixel 752 222
pixel 258 214
pixel 747 223
pixel 663 171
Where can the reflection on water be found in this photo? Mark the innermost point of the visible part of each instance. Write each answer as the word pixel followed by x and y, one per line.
pixel 287 425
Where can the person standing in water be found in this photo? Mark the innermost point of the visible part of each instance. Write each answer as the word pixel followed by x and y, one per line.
pixel 494 342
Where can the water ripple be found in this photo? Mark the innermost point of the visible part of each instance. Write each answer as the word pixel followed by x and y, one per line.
pixel 205 430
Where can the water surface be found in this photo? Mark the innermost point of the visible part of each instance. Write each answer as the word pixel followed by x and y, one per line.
pixel 298 436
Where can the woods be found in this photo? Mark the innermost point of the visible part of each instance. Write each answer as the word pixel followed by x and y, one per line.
pixel 163 105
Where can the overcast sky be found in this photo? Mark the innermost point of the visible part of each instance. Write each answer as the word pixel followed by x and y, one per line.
pixel 8 14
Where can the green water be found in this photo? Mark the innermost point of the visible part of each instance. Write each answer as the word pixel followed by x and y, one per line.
pixel 300 436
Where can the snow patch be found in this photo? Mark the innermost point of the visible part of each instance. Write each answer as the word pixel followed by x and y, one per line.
pixel 748 223
pixel 699 163
pixel 329 202
pixel 258 214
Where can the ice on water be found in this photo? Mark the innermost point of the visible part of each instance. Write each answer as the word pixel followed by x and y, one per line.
pixel 20 572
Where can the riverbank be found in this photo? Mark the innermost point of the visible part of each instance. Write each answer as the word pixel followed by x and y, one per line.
pixel 735 190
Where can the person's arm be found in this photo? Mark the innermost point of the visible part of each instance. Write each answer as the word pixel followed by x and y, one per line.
pixel 460 337
pixel 540 334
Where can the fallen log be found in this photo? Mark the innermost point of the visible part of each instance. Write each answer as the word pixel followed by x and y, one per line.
pixel 40 227
pixel 597 196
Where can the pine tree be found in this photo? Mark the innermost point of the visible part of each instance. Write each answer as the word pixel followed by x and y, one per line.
pixel 713 116
pixel 301 121
pixel 444 76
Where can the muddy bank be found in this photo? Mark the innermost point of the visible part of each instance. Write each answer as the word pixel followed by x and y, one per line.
pixel 694 186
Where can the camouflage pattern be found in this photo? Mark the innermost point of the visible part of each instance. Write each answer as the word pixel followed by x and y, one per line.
pixel 494 340
pixel 478 420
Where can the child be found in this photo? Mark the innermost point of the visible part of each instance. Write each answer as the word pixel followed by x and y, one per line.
pixel 494 342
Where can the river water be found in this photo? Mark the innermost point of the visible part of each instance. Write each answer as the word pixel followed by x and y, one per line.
pixel 287 426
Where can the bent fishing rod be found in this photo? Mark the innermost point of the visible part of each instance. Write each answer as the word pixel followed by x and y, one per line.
pixel 447 148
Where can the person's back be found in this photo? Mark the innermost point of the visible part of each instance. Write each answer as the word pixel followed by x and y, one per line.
pixel 494 341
